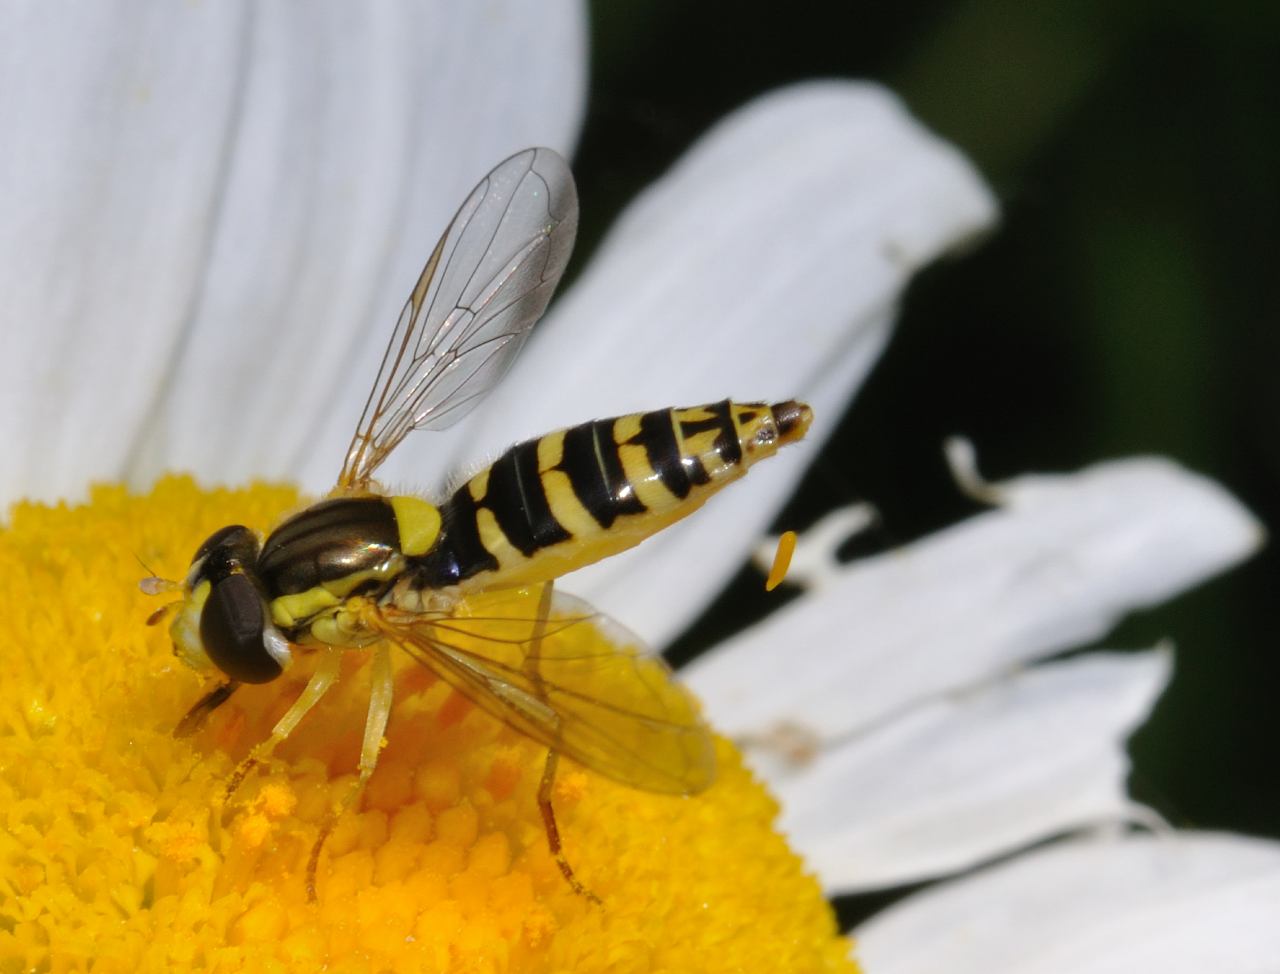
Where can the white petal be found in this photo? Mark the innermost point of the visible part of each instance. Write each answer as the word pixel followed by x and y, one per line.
pixel 964 778
pixel 1054 568
pixel 116 118
pixel 362 130
pixel 228 195
pixel 765 264
pixel 1177 904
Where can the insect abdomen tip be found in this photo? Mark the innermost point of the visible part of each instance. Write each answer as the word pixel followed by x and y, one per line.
pixel 792 419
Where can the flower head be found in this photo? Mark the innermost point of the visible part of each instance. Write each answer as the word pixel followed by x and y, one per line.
pixel 201 234
pixel 122 851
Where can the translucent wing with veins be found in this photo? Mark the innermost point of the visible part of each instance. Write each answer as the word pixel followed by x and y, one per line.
pixel 589 690
pixel 484 287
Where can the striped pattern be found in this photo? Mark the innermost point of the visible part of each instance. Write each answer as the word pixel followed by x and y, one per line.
pixel 551 505
pixel 327 542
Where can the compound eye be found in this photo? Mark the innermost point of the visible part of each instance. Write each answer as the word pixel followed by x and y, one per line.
pixel 227 550
pixel 233 628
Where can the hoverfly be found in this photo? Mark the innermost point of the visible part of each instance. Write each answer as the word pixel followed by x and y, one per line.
pixel 450 584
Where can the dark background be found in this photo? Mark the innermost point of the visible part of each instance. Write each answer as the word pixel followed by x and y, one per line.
pixel 1125 306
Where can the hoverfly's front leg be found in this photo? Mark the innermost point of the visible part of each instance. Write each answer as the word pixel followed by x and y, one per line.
pixel 547 784
pixel 322 679
pixel 195 718
pixel 381 689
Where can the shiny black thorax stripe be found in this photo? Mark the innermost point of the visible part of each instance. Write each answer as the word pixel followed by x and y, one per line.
pixel 328 541
pixel 515 492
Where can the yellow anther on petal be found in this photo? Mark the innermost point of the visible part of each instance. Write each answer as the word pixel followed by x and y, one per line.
pixel 781 560
pixel 117 852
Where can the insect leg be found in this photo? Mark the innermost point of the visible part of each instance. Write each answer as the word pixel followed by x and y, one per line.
pixel 553 832
pixel 382 685
pixel 195 717
pixel 539 630
pixel 547 784
pixel 321 680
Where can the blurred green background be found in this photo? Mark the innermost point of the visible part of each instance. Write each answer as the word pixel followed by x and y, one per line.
pixel 1125 305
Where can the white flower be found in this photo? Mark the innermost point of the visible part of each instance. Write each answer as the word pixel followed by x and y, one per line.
pixel 212 214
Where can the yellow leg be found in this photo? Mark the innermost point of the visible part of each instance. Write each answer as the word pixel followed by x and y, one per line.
pixel 539 630
pixel 381 689
pixel 547 784
pixel 321 680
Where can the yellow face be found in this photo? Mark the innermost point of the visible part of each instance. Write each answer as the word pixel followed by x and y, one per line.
pixel 185 628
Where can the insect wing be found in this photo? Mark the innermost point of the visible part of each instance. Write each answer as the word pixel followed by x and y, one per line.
pixel 588 690
pixel 484 287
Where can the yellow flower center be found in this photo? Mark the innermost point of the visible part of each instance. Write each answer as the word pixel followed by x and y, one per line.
pixel 118 853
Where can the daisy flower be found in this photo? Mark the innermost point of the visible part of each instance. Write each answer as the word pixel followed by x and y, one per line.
pixel 212 215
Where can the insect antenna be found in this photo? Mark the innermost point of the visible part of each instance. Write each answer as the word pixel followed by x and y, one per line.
pixel 153 584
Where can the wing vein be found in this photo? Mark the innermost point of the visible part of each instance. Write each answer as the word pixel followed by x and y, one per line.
pixel 485 286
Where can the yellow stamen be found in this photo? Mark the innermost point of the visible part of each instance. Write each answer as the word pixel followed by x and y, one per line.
pixel 781 560
pixel 117 854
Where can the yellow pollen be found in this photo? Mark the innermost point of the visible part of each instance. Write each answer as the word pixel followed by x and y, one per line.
pixel 781 560
pixel 119 854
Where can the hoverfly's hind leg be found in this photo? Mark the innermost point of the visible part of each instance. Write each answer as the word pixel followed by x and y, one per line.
pixel 381 689
pixel 322 679
pixel 553 832
pixel 547 785
pixel 196 717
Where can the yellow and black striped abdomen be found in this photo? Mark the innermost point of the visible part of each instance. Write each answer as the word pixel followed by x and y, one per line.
pixel 567 499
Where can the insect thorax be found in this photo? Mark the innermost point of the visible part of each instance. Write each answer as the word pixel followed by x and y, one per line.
pixel 316 563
